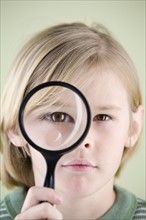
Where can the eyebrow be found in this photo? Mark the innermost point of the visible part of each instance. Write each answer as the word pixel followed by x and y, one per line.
pixel 109 107
pixel 59 105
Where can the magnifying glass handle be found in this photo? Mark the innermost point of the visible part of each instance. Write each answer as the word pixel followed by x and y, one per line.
pixel 49 180
pixel 50 175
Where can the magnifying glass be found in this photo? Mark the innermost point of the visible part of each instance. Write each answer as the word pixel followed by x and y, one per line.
pixel 54 119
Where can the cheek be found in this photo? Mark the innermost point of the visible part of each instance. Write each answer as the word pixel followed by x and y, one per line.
pixel 39 166
pixel 111 146
pixel 114 133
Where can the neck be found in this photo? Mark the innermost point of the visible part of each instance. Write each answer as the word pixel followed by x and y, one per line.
pixel 90 207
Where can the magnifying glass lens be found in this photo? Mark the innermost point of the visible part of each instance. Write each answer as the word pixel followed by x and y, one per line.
pixel 54 118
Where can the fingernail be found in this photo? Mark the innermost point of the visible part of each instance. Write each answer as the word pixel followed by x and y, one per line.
pixel 59 199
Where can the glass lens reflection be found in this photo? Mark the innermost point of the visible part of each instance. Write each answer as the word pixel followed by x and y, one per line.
pixel 55 118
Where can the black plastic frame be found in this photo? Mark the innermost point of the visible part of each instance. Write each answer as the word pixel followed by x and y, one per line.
pixel 25 101
pixel 53 156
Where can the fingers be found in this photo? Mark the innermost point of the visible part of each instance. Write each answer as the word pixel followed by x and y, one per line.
pixel 36 195
pixel 38 205
pixel 40 211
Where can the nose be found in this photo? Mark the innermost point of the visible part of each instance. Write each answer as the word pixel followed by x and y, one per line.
pixel 87 145
pixel 89 141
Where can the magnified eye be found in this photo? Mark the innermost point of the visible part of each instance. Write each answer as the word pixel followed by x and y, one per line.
pixel 59 117
pixel 102 117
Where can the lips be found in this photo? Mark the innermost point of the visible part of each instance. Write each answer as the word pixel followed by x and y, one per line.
pixel 79 166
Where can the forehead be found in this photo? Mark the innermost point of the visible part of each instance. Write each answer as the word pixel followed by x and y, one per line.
pixel 105 88
pixel 101 87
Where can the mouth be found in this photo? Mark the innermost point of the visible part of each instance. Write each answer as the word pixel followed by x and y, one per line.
pixel 79 166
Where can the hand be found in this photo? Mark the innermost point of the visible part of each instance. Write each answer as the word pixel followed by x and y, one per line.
pixel 38 205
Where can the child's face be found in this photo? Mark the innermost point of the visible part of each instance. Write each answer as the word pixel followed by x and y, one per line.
pixel 94 163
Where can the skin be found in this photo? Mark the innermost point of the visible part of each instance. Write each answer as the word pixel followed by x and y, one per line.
pixel 86 192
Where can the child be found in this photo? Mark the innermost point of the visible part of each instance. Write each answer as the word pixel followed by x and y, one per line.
pixel 93 61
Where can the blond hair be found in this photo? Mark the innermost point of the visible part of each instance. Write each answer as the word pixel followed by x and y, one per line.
pixel 64 52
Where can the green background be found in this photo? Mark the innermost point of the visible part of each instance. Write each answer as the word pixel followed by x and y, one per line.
pixel 126 20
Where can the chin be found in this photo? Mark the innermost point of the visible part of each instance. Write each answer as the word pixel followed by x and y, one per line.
pixel 76 188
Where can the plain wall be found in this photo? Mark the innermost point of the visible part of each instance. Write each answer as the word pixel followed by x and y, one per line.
pixel 125 19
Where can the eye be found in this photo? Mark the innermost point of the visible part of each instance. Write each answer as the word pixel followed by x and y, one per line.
pixel 102 117
pixel 59 117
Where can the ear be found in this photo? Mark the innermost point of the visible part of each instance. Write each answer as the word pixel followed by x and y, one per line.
pixel 136 126
pixel 16 138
